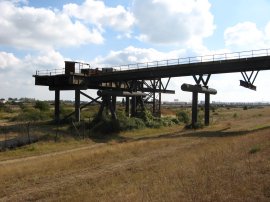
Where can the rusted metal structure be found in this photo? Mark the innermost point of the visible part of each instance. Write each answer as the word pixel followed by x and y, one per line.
pixel 145 82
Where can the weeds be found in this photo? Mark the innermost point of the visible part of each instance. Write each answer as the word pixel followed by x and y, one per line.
pixel 42 105
pixel 32 115
pixel 197 125
pixel 182 117
pixel 254 149
pixel 106 125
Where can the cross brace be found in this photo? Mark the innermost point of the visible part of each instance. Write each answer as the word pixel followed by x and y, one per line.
pixel 202 79
pixel 248 80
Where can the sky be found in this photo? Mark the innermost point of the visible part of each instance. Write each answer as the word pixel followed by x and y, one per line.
pixel 42 34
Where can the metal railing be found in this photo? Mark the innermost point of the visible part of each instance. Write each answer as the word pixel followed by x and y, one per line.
pixel 179 61
pixel 50 72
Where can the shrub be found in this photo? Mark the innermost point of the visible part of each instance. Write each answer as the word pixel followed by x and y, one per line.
pixel 149 120
pixel 32 115
pixel 106 125
pixel 245 108
pixel 197 125
pixel 182 117
pixel 168 121
pixel 42 106
pixel 175 121
pixel 254 149
pixel 131 123
pixel 213 108
pixel 5 108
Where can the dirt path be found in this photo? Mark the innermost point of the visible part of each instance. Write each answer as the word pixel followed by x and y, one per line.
pixel 5 162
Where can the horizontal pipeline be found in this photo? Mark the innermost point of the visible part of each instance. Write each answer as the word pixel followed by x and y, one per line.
pixel 120 93
pixel 198 89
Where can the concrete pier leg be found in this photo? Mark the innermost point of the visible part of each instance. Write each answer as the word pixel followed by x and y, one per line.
pixel 77 105
pixel 194 108
pixel 127 107
pixel 206 109
pixel 57 106
pixel 133 106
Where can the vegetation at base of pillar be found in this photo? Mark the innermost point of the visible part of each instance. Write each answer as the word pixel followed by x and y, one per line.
pixel 197 125
pixel 107 125
pixel 183 117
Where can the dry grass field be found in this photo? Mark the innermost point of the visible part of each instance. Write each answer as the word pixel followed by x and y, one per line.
pixel 227 161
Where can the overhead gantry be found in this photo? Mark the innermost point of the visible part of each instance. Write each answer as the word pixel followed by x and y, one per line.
pixel 143 83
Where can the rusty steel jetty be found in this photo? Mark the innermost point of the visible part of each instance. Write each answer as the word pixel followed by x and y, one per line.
pixel 143 83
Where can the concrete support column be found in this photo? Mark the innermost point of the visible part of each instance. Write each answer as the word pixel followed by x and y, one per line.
pixel 133 106
pixel 57 106
pixel 127 106
pixel 77 105
pixel 194 107
pixel 206 109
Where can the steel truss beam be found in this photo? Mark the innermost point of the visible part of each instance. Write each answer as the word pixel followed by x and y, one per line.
pixel 156 87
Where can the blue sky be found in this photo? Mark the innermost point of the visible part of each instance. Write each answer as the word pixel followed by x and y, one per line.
pixel 41 34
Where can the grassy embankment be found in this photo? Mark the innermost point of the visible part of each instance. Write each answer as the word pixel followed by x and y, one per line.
pixel 228 161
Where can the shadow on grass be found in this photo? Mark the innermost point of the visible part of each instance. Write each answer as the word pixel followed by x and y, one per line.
pixel 192 133
pixel 223 133
pixel 101 138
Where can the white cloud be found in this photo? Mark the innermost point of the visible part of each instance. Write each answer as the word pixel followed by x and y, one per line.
pixel 96 12
pixel 131 55
pixel 8 60
pixel 44 61
pixel 246 36
pixel 16 77
pixel 174 21
pixel 40 28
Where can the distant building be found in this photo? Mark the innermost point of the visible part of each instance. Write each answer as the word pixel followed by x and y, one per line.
pixel 2 101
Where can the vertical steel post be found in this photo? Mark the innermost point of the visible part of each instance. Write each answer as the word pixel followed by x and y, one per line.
pixel 154 97
pixel 111 101
pixel 77 105
pixel 194 108
pixel 206 109
pixel 127 106
pixel 159 99
pixel 57 106
pixel 114 103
